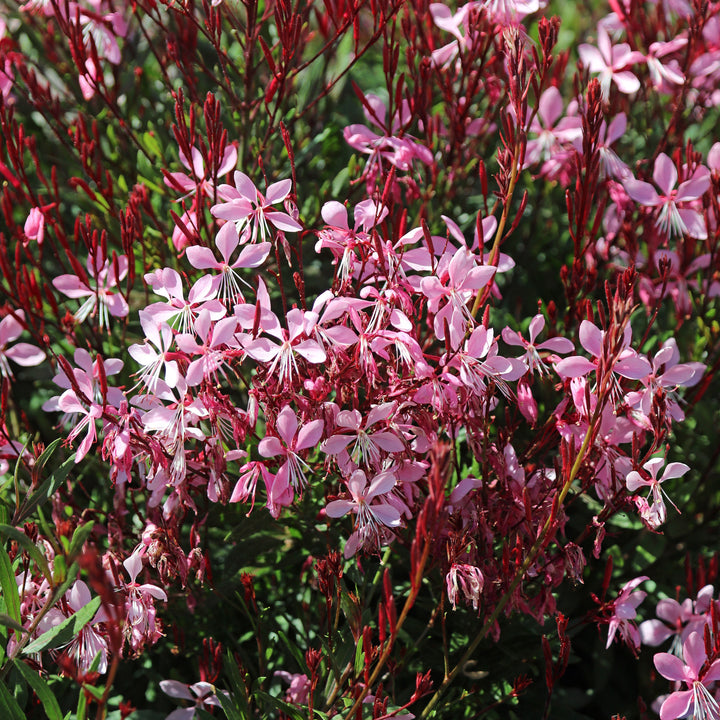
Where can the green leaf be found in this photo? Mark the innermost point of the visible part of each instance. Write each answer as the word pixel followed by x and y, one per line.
pixel 9 588
pixel 238 688
pixel 96 692
pixel 45 490
pixel 66 630
pixel 81 713
pixel 29 546
pixel 9 709
pixel 79 537
pixel 359 656
pixel 42 690
pixel 290 710
pixel 229 707
pixel 294 649
pixel 151 144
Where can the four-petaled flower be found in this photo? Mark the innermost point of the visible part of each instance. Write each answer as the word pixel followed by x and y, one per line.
pixel 697 701
pixel 672 220
pixel 251 211
pixel 656 512
pixel 370 517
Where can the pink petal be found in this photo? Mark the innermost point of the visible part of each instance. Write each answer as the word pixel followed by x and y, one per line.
pixel 287 425
pixel 654 632
pixel 557 344
pixel 176 689
pixel 271 446
pixel 627 82
pixel 282 221
pixel 336 444
pixel 641 192
pixel 227 240
pixel 386 514
pixel 634 368
pixel 278 191
pixel 311 351
pixel 71 286
pixel 253 256
pixel 677 705
pixel 674 470
pixel 335 214
pixel 670 666
pixel 25 354
pixel 133 565
pixel 202 258
pixel 591 338
pixel 388 442
pixel 245 186
pixel 310 434
pixel 694 223
pixel 694 652
pixel 665 173
pixel 573 367
pixel 634 481
pixel 338 508
pixel 382 483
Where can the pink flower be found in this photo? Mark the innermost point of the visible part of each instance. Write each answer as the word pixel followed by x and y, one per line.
pixel 672 220
pixel 251 212
pixel 665 76
pixel 655 513
pixel 299 690
pixel 71 402
pixel 627 363
pixel 398 149
pixel 678 619
pixel 288 443
pixel 35 225
pixel 227 240
pixel 177 312
pixel 610 61
pixel 624 611
pixel 666 377
pixel 155 360
pixel 140 625
pixel 696 701
pixel 531 358
pixel 455 283
pixel 281 356
pixel 201 694
pixel 465 579
pixel 201 178
pixel 371 518
pixel 367 446
pixel 89 642
pixel 216 338
pixel 553 131
pixel 101 299
pixel 21 353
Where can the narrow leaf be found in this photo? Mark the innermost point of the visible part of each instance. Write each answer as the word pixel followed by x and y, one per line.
pixel 66 630
pixel 44 491
pixel 290 710
pixel 29 546
pixel 229 706
pixel 9 588
pixel 79 537
pixel 42 690
pixel 9 709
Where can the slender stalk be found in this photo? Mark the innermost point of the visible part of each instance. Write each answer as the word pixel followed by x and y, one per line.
pixel 519 574
pixel 409 602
